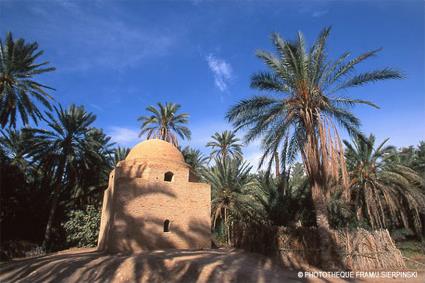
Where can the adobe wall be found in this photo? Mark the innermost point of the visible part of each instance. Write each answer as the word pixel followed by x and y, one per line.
pixel 107 213
pixel 152 170
pixel 138 201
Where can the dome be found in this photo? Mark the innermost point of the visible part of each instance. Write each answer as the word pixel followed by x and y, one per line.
pixel 155 149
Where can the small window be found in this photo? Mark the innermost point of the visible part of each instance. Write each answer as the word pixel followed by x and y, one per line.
pixel 168 177
pixel 167 225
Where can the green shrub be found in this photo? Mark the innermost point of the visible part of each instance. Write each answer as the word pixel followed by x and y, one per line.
pixel 82 227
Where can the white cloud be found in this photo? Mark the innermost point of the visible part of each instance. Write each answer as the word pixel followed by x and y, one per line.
pixel 96 106
pixel 222 71
pixel 319 13
pixel 315 9
pixel 124 136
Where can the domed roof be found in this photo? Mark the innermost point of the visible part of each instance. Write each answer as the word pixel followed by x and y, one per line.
pixel 155 149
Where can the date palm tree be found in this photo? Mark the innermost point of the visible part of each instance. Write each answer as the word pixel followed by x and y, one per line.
pixel 63 149
pixel 224 145
pixel 230 181
pixel 384 192
pixel 195 159
pixel 14 144
pixel 89 179
pixel 303 103
pixel 164 123
pixel 414 157
pixel 120 153
pixel 283 209
pixel 18 89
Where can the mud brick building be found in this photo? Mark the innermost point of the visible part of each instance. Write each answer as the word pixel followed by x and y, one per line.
pixel 154 201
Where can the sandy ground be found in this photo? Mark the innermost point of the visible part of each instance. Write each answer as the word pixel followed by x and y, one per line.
pixel 220 265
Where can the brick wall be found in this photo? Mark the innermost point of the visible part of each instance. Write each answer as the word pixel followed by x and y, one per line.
pixel 138 201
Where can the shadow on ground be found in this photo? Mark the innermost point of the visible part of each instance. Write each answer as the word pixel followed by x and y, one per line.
pixel 85 265
pixel 221 265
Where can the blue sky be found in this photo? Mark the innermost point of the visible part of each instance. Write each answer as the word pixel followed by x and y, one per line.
pixel 118 57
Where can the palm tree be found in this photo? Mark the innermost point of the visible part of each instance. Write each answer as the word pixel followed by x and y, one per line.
pixel 414 157
pixel 419 162
pixel 282 210
pixel 87 181
pixel 230 181
pixel 164 123
pixel 20 184
pixel 225 144
pixel 120 153
pixel 14 144
pixel 384 191
pixel 195 159
pixel 63 149
pixel 302 103
pixel 17 88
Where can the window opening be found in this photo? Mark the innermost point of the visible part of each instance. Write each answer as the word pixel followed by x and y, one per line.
pixel 167 225
pixel 168 177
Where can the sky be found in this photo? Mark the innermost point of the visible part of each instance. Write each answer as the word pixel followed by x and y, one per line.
pixel 118 57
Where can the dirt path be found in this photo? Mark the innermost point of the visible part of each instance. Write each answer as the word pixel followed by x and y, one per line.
pixel 87 265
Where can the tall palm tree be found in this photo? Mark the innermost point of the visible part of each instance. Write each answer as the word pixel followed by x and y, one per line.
pixel 384 191
pixel 18 89
pixel 225 144
pixel 62 150
pixel 303 104
pixel 164 123
pixel 86 181
pixel 230 181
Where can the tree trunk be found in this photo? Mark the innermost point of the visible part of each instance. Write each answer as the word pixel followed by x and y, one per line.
pixel 47 233
pixel 53 207
pixel 227 226
pixel 358 207
pixel 314 156
pixel 323 227
pixel 277 164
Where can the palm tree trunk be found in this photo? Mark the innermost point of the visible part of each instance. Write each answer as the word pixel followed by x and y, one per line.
pixel 317 177
pixel 277 164
pixel 53 207
pixel 323 227
pixel 359 207
pixel 227 226
pixel 231 233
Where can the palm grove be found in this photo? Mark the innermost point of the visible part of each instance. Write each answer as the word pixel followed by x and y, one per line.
pixel 55 163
